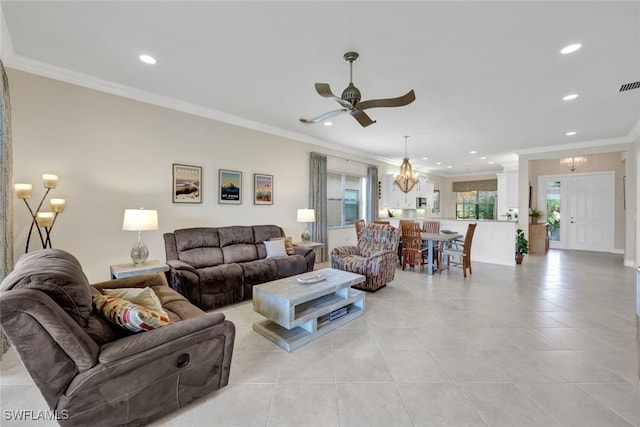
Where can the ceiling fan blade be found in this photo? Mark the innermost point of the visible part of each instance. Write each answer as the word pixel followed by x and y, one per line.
pixel 323 89
pixel 408 98
pixel 323 117
pixel 362 118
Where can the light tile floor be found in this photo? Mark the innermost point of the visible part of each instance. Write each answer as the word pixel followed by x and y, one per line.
pixel 548 343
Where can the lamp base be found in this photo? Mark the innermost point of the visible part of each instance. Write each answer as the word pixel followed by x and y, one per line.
pixel 139 252
pixel 306 236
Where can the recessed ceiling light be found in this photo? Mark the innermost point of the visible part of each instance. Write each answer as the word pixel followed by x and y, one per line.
pixel 570 133
pixel 438 163
pixel 472 152
pixel 328 123
pixel 571 48
pixel 570 97
pixel 491 163
pixel 147 59
pixel 449 167
pixel 483 158
pixel 425 158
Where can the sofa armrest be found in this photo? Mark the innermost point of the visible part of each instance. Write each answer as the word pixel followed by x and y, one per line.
pixel 302 250
pixel 176 264
pixel 139 281
pixel 345 250
pixel 167 336
pixel 382 253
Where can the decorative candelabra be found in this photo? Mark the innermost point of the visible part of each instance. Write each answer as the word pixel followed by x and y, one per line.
pixel 41 219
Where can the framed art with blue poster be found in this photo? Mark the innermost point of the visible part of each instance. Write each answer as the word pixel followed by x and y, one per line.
pixel 230 187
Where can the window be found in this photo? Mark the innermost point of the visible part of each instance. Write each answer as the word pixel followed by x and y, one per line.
pixel 345 199
pixel 475 204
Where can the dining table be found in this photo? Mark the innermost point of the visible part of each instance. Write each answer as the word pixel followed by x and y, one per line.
pixel 436 237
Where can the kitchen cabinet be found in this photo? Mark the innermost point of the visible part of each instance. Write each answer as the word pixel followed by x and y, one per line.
pixel 424 188
pixel 393 197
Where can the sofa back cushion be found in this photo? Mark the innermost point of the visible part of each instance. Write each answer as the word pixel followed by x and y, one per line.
pixel 377 238
pixel 262 233
pixel 199 246
pixel 59 275
pixel 237 244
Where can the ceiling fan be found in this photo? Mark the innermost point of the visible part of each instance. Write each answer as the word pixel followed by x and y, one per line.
pixel 350 99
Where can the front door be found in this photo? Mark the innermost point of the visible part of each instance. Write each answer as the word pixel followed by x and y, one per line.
pixel 579 209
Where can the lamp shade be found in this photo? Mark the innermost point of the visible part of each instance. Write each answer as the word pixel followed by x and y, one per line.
pixel 140 219
pixel 306 215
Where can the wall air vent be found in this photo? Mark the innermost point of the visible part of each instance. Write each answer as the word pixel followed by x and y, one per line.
pixel 629 86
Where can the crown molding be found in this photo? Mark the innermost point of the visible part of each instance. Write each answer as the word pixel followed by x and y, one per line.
pixel 607 142
pixel 79 79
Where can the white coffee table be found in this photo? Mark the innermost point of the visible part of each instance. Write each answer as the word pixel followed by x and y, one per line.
pixel 298 313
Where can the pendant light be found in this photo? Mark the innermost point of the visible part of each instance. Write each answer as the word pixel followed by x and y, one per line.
pixel 406 179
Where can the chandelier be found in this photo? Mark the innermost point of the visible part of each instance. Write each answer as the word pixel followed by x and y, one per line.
pixel 573 162
pixel 406 179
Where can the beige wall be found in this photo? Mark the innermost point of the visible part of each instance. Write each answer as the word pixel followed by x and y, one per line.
pixel 112 153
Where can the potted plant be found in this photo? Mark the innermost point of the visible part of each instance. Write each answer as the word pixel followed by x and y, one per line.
pixel 535 214
pixel 522 246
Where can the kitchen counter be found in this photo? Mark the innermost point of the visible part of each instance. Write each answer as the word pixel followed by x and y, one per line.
pixel 494 241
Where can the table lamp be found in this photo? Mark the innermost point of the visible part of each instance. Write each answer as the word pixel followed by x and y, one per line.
pixel 306 216
pixel 140 220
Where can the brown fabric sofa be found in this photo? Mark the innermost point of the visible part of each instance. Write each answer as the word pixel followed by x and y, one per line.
pixel 213 267
pixel 92 372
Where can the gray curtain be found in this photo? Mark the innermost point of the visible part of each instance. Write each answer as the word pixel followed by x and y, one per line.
pixel 373 190
pixel 6 193
pixel 318 200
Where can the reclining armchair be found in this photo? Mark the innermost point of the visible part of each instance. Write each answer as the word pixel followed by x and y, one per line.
pixel 375 256
pixel 92 372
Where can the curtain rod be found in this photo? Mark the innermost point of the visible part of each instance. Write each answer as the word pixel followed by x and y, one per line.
pixel 343 158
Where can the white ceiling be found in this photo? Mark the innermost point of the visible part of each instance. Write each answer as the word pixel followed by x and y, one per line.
pixel 488 76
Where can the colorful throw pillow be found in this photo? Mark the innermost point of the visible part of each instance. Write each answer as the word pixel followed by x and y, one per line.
pixel 288 244
pixel 128 315
pixel 145 297
pixel 275 248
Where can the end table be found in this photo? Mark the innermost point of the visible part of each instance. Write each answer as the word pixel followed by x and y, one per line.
pixel 119 271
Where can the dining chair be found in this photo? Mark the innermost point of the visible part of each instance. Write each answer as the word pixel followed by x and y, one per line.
pixel 413 253
pixel 381 222
pixel 433 227
pixel 459 256
pixel 400 223
pixel 359 223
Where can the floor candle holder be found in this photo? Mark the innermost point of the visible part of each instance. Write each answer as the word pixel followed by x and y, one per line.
pixel 41 219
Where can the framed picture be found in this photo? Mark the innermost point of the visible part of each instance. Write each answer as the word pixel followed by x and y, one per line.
pixel 187 182
pixel 230 185
pixel 262 189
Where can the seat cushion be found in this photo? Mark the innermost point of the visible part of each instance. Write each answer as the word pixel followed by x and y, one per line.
pixel 353 263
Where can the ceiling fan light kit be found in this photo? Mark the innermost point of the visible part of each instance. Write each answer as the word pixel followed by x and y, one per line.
pixel 351 96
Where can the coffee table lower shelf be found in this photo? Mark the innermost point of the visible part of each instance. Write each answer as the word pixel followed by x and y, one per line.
pixel 290 339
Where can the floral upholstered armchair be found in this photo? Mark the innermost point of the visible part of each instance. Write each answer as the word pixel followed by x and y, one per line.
pixel 375 256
